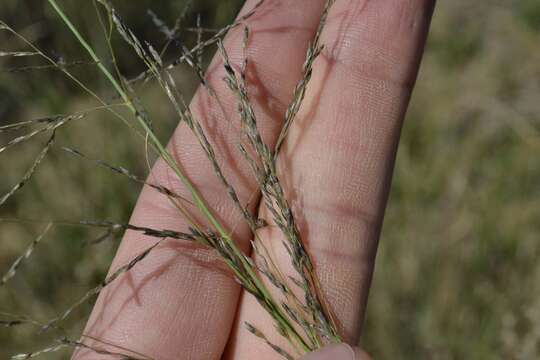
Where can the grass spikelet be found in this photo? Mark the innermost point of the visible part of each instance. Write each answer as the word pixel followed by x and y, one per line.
pixel 17 53
pixel 66 66
pixel 170 34
pixel 160 25
pixel 199 30
pixel 204 44
pixel 27 123
pixel 162 234
pixel 52 124
pixel 299 92
pixel 19 261
pixel 252 329
pixel 47 350
pixel 30 171
pixel 11 320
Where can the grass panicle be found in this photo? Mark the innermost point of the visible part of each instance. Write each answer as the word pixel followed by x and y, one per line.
pixel 30 172
pixel 299 92
pixel 265 171
pixel 304 322
pixel 19 261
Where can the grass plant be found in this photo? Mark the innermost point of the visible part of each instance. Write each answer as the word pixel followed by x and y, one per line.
pixel 303 321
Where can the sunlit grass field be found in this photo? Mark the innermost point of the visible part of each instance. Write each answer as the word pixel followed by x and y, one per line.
pixel 457 275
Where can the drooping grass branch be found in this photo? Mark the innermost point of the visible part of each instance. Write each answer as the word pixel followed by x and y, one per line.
pixel 299 92
pixel 19 261
pixel 66 342
pixel 26 177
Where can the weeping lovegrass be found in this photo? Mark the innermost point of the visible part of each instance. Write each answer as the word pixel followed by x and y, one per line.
pixel 304 321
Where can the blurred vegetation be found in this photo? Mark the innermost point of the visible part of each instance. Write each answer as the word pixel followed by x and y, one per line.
pixel 457 274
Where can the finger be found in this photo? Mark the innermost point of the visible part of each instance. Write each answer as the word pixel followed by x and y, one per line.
pixel 178 302
pixel 339 155
pixel 337 352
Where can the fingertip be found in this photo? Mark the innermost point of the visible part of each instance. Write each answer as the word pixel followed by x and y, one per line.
pixel 338 352
pixel 361 354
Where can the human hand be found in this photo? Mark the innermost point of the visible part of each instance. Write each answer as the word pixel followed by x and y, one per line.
pixel 337 352
pixel 336 166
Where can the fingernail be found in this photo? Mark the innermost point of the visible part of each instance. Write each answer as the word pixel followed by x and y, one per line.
pixel 332 352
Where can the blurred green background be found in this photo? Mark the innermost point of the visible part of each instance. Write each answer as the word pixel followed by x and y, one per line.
pixel 457 274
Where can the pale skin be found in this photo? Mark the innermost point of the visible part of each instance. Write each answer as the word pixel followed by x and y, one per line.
pixel 336 167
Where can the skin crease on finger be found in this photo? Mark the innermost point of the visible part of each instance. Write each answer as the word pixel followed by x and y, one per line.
pixel 180 299
pixel 336 168
pixel 337 163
